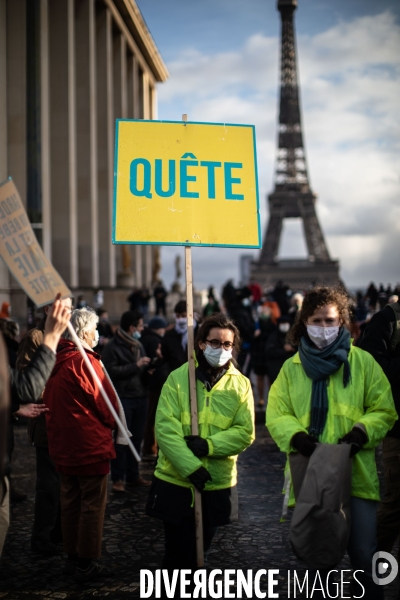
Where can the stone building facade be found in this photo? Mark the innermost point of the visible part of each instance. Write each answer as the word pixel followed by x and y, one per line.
pixel 68 69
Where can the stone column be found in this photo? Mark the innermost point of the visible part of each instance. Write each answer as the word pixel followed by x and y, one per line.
pixel 86 113
pixel 4 277
pixel 45 126
pixel 148 262
pixel 105 136
pixel 62 114
pixel 125 275
pixel 17 119
pixel 136 109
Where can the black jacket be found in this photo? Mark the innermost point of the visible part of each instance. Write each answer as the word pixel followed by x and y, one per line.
pixel 120 362
pixel 275 353
pixel 37 432
pixel 151 341
pixel 173 354
pixel 244 321
pixel 27 387
pixel 376 340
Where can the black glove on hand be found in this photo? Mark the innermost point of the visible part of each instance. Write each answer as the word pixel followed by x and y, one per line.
pixel 197 445
pixel 304 443
pixel 357 438
pixel 199 478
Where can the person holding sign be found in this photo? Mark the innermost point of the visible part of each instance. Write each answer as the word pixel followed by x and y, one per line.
pixel 79 430
pixel 206 462
pixel 46 530
pixel 26 387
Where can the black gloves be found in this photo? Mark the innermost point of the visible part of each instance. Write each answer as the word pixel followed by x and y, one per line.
pixel 304 443
pixel 199 478
pixel 197 445
pixel 357 438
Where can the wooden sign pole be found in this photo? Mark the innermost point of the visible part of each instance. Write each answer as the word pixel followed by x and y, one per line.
pixel 193 397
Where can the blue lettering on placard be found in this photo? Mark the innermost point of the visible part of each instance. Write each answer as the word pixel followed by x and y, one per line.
pixel 146 191
pixel 185 177
pixel 143 167
pixel 171 179
pixel 211 166
pixel 229 180
pixel 21 266
pixel 11 251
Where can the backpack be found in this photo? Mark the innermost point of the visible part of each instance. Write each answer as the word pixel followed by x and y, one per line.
pixel 320 527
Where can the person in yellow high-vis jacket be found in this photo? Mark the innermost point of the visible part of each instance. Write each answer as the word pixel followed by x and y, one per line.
pixel 333 392
pixel 207 461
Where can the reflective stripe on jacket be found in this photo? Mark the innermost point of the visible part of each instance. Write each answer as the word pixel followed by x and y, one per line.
pixel 226 421
pixel 367 400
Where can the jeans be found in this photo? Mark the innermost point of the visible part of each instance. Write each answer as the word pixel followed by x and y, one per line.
pixel 363 544
pixel 47 520
pixel 125 466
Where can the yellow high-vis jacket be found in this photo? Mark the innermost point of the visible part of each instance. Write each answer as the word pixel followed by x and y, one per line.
pixel 367 399
pixel 226 421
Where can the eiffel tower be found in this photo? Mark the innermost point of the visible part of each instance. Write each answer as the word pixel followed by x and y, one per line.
pixel 292 196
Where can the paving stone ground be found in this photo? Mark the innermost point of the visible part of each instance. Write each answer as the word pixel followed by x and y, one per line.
pixel 133 541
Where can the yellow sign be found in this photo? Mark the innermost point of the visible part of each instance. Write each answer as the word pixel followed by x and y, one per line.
pixel 22 253
pixel 185 184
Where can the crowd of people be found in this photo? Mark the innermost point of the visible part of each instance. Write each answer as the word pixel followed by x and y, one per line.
pixel 324 363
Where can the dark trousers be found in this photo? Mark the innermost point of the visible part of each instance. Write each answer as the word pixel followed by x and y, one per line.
pixel 125 466
pixel 389 510
pixel 160 307
pixel 83 504
pixel 180 544
pixel 180 548
pixel 149 442
pixel 47 518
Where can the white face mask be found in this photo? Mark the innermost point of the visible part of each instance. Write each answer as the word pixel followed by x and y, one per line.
pixel 284 327
pixel 322 336
pixel 216 357
pixel 96 339
pixel 181 324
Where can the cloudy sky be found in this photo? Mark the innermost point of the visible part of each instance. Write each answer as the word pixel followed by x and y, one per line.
pixel 223 59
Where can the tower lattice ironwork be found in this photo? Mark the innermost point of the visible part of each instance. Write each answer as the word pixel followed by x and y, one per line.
pixel 292 196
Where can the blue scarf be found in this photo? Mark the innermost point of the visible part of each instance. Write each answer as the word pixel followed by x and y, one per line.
pixel 319 365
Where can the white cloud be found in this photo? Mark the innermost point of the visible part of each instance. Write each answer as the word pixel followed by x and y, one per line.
pixel 350 85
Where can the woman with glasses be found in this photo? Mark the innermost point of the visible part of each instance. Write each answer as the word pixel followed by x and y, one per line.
pixel 206 462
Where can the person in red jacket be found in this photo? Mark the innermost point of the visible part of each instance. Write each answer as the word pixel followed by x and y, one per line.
pixel 79 430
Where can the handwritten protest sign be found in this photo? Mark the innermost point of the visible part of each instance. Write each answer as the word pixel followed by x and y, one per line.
pixel 22 253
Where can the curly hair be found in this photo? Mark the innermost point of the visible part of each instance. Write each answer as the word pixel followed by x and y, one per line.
pixel 318 297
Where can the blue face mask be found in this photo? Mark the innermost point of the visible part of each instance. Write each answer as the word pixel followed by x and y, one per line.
pixel 136 335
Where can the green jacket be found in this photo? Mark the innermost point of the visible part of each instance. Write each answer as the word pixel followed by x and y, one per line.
pixel 366 400
pixel 226 421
